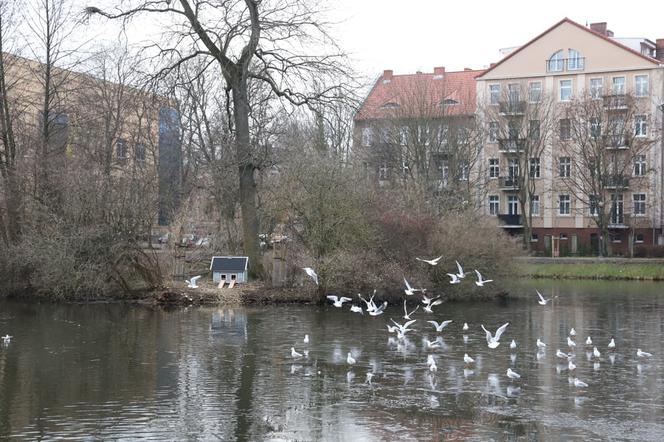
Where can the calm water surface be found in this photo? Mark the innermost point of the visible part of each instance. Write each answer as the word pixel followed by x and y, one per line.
pixel 125 372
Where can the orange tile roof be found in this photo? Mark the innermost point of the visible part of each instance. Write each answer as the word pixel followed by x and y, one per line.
pixel 421 94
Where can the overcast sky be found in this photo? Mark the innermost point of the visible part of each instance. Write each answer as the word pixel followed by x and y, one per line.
pixel 412 35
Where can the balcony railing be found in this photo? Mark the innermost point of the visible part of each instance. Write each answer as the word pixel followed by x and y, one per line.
pixel 616 182
pixel 566 64
pixel 511 221
pixel 511 144
pixel 615 141
pixel 512 107
pixel 615 102
pixel 508 183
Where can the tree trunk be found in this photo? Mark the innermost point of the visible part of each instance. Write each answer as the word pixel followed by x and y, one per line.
pixel 13 205
pixel 248 199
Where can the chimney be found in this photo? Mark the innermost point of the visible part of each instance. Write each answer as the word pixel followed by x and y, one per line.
pixel 491 65
pixel 600 28
pixel 659 51
pixel 387 75
pixel 467 69
pixel 438 72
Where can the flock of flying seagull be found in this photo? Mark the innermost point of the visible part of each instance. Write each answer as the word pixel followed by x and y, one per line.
pixel 492 339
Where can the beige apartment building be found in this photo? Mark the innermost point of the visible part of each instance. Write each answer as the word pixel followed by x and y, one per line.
pixel 593 104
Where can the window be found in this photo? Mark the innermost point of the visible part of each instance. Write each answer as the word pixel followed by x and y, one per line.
pixel 535 205
pixel 383 172
pixel 367 136
pixel 534 237
pixel 403 136
pixel 534 130
pixel 639 165
pixel 535 91
pixel 595 127
pixel 494 205
pixel 493 132
pixel 618 86
pixel 494 168
pixel 513 92
pixel 139 152
pixel 592 166
pixel 556 62
pixel 464 170
pixel 390 105
pixel 639 204
pixel 565 90
pixel 405 169
pixel 640 126
pixel 443 133
pixel 121 149
pixel 512 205
pixel 596 85
pixel 575 61
pixel 494 93
pixel 617 208
pixel 443 168
pixel 423 135
pixel 449 102
pixel 594 205
pixel 534 167
pixel 513 168
pixel 563 236
pixel 641 85
pixel 565 129
pixel 564 205
pixel 639 238
pixel 565 166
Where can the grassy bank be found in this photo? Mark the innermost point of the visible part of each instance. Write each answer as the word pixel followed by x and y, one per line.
pixel 594 270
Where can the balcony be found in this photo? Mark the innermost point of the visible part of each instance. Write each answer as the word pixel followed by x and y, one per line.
pixel 512 107
pixel 616 182
pixel 511 145
pixel 615 142
pixel 508 183
pixel 616 102
pixel 511 221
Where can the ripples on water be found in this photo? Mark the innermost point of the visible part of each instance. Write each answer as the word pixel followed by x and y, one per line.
pixel 115 371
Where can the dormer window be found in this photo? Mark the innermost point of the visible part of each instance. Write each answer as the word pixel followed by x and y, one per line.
pixel 449 102
pixel 575 61
pixel 391 105
pixel 556 62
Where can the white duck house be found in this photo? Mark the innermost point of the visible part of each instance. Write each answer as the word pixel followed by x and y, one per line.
pixel 230 268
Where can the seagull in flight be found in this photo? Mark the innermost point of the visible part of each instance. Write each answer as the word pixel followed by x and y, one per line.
pixel 191 283
pixel 406 315
pixel 6 339
pixel 461 274
pixel 410 291
pixel 541 300
pixel 493 340
pixel 480 282
pixel 338 301
pixel 371 306
pixel 430 303
pixel 378 311
pixel 403 329
pixel 312 273
pixel 513 374
pixel 356 309
pixel 432 262
pixel 440 326
pixel 454 278
pixel 643 354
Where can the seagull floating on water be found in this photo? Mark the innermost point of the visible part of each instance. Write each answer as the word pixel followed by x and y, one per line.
pixel 572 332
pixel 480 282
pixel 589 342
pixel 432 262
pixel 467 359
pixel 338 301
pixel 513 374
pixel 643 354
pixel 612 344
pixel 492 341
pixel 295 354
pixel 579 383
pixel 312 273
pixel 440 326
pixel 191 283
pixel 540 344
pixel 513 344
pixel 306 339
pixel 350 360
pixel 465 326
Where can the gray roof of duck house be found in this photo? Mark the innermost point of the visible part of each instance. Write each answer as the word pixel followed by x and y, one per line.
pixel 229 263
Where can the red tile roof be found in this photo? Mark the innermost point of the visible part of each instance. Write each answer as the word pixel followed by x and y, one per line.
pixel 572 22
pixel 421 94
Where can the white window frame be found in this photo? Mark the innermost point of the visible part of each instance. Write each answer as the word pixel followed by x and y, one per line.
pixel 531 91
pixel 576 62
pixel 637 240
pixel 641 91
pixel 569 129
pixel 493 131
pixel 403 136
pixel 535 205
pixel 639 168
pixel 564 167
pixel 619 91
pixel 639 205
pixel 596 92
pixel 367 136
pixel 536 163
pixel 593 205
pixel 640 125
pixel 557 60
pixel 564 205
pixel 512 205
pixel 560 89
pixel 595 128
pixel 494 204
pixel 491 94
pixel 383 172
pixel 494 167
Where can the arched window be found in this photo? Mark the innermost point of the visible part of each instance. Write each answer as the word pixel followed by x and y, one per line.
pixel 575 61
pixel 556 62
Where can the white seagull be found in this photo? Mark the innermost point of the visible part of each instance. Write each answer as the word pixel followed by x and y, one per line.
pixel 612 344
pixel 570 343
pixel 350 360
pixel 338 301
pixel 589 342
pixel 440 326
pixel 410 291
pixel 378 311
pixel 6 339
pixel 295 354
pixel 579 383
pixel 191 283
pixel 461 274
pixel 370 303
pixel 432 344
pixel 403 329
pixel 312 273
pixel 562 355
pixel 540 344
pixel 513 344
pixel 465 326
pixel 643 354
pixel 480 282
pixel 596 352
pixel 513 374
pixel 306 339
pixel 429 303
pixel 492 340
pixel 454 278
pixel 432 262
pixel 572 332
pixel 541 300
pixel 406 315
pixel 391 328
pixel 571 366
pixel 467 359
pixel 356 309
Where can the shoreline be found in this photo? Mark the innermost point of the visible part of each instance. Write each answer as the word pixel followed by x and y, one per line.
pixel 624 269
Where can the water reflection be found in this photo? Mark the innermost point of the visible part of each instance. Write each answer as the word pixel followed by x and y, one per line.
pixel 114 371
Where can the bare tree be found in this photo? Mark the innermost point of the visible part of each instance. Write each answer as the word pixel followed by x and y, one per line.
pixel 523 127
pixel 609 139
pixel 247 40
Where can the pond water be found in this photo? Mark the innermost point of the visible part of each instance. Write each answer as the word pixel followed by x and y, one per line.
pixel 123 372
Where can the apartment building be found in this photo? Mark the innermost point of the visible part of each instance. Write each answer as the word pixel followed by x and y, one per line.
pixel 575 115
